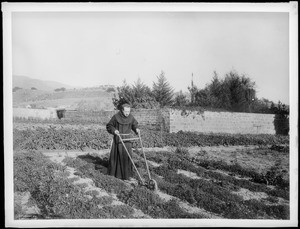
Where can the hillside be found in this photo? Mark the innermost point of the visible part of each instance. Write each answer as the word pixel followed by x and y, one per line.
pixel 25 82
pixel 79 99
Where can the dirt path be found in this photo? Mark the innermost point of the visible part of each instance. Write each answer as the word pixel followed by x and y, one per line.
pixel 255 158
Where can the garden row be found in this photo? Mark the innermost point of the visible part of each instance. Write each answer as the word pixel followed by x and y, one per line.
pixel 58 197
pixel 140 197
pixel 214 190
pixel 74 139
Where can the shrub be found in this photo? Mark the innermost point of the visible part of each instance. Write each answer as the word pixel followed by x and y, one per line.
pixel 281 120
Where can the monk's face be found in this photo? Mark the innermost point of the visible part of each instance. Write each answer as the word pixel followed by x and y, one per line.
pixel 126 111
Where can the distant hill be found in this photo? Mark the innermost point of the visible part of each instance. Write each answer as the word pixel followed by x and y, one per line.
pixel 94 99
pixel 26 82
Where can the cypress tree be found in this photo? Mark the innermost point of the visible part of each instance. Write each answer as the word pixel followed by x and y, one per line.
pixel 162 91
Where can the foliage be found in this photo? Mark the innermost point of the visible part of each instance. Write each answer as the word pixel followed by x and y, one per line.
pixel 85 169
pixel 206 169
pixel 60 138
pixel 82 139
pixel 186 139
pixel 110 89
pixel 271 177
pixel 16 88
pixel 140 197
pixel 281 120
pixel 60 89
pixel 235 93
pixel 57 197
pixel 213 191
pixel 261 106
pixel 193 90
pixel 54 194
pixel 162 91
pixel 138 95
pixel 242 91
pixel 180 100
pixel 151 204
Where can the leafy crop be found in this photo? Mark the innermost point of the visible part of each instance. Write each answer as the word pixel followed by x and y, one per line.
pixel 140 197
pixel 55 194
pixel 80 139
pixel 85 169
pixel 272 177
pixel 213 191
pixel 60 138
pixel 153 205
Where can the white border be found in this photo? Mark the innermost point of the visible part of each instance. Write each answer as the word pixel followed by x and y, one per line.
pixel 148 7
pixel 294 90
pixel 9 8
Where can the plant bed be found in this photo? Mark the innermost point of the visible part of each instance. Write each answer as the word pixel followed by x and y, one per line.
pixel 54 194
pixel 73 139
pixel 216 189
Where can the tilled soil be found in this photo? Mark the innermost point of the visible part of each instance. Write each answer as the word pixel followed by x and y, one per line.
pixel 256 158
pixel 251 157
pixel 58 157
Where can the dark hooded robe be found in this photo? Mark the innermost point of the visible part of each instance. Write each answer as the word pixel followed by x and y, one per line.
pixel 120 165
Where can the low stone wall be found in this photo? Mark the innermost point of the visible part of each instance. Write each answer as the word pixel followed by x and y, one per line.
pixel 221 122
pixel 157 118
pixel 34 113
pixel 171 120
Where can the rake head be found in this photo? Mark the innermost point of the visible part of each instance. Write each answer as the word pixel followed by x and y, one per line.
pixel 152 185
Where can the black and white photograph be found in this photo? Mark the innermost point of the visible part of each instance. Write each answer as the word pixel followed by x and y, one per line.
pixel 150 114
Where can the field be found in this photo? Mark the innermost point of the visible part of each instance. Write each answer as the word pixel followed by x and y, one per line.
pixel 60 172
pixel 78 99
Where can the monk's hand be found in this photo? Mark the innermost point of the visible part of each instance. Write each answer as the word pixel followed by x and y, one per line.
pixel 117 132
pixel 138 131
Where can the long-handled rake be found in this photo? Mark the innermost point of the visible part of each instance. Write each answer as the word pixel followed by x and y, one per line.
pixel 150 183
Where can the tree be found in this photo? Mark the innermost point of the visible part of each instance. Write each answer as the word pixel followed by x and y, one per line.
pixel 235 93
pixel 217 94
pixel 138 95
pixel 16 88
pixel 125 95
pixel 162 91
pixel 60 89
pixel 110 89
pixel 139 89
pixel 240 90
pixel 201 98
pixel 193 90
pixel 180 100
pixel 262 106
pixel 143 97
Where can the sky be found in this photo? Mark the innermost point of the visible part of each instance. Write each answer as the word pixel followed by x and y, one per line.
pixel 96 48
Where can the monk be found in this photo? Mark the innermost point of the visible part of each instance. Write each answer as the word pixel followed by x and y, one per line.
pixel 123 122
